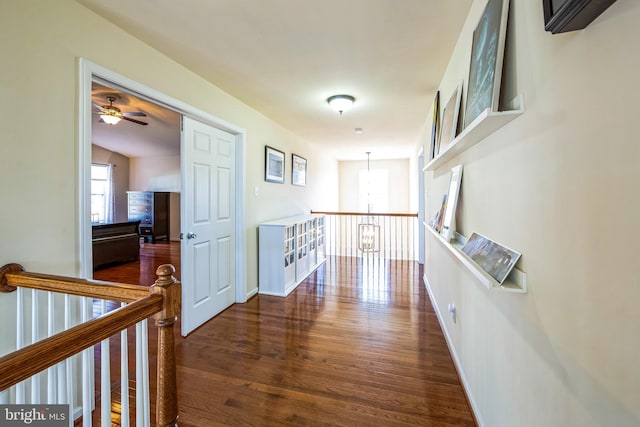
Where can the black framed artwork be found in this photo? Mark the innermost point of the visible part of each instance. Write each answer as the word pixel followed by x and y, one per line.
pixel 561 16
pixel 435 127
pixel 273 165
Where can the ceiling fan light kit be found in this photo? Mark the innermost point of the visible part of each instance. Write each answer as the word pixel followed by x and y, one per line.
pixel 341 103
pixel 111 114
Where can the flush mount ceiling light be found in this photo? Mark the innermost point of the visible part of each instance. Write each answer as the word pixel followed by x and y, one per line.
pixel 341 103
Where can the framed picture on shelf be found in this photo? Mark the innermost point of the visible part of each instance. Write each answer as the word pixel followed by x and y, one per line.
pixel 487 54
pixel 298 170
pixel 273 165
pixel 495 259
pixel 435 127
pixel 448 222
pixel 450 118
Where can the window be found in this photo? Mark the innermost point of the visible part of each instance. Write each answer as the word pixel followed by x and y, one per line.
pixel 373 190
pixel 101 194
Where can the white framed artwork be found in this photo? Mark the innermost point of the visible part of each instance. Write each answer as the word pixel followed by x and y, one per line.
pixel 448 222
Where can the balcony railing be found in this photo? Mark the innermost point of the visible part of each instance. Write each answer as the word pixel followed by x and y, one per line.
pixel 387 236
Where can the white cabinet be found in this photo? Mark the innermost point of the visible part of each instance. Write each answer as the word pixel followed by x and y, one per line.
pixel 289 249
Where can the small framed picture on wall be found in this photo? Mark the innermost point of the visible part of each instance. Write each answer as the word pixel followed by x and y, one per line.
pixel 298 170
pixel 273 165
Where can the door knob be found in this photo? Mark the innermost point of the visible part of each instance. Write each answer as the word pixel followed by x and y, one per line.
pixel 191 235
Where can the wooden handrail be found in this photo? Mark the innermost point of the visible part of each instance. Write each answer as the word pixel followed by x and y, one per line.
pixel 32 360
pixel 13 275
pixel 365 214
pixel 161 300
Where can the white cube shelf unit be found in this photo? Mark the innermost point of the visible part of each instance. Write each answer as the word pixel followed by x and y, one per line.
pixel 289 249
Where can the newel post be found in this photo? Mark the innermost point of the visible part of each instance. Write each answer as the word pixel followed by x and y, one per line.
pixel 167 392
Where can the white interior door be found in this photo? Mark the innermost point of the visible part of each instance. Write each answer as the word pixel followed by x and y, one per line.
pixel 208 222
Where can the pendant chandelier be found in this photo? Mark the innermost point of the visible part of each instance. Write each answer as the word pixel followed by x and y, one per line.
pixel 369 230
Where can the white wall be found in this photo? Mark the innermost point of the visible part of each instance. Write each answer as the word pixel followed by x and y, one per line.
pixel 399 183
pixel 39 158
pixel 559 184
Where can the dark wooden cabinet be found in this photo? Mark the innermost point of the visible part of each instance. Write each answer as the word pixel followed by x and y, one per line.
pixel 151 208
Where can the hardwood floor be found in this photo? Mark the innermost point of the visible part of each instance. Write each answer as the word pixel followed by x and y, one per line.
pixel 356 344
pixel 143 271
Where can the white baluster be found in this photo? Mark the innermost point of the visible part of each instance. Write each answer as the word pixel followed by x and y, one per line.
pixel 67 385
pixel 105 376
pixel 145 370
pixel 20 388
pixel 36 379
pixel 124 378
pixel 87 373
pixel 142 375
pixel 51 372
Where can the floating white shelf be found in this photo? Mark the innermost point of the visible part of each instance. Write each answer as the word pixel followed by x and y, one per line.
pixel 515 282
pixel 484 125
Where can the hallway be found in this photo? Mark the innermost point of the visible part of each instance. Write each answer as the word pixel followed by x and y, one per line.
pixel 351 346
pixel 356 344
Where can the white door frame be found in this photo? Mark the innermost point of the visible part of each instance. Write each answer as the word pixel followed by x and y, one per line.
pixel 88 72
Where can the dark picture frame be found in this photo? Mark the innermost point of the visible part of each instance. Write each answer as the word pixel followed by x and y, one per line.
pixel 561 16
pixel 487 54
pixel 298 170
pixel 273 165
pixel 435 127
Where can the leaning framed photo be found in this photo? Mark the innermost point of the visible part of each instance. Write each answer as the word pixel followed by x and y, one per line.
pixel 298 170
pixel 495 259
pixel 448 221
pixel 487 54
pixel 450 119
pixel 273 165
pixel 435 127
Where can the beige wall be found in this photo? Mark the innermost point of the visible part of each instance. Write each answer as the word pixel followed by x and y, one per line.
pixel 559 184
pixel 39 152
pixel 120 178
pixel 398 170
pixel 161 173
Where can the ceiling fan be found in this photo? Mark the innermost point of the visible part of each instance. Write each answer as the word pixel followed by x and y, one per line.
pixel 111 114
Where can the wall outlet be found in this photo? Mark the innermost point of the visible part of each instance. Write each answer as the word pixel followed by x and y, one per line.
pixel 452 311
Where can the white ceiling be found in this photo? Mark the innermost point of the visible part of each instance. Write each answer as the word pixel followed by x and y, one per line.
pixel 284 58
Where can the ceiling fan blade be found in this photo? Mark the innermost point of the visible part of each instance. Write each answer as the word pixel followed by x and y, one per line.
pixel 134 121
pixel 134 114
pixel 97 106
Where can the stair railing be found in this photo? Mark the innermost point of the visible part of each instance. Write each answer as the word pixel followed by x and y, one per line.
pixel 57 353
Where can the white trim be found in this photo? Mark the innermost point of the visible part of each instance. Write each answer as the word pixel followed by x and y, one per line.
pixel 92 72
pixel 452 350
pixel 251 294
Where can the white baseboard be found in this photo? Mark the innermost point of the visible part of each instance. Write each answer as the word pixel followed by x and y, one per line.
pixel 454 355
pixel 250 294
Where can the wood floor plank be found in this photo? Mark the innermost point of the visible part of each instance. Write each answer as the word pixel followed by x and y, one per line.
pixel 356 344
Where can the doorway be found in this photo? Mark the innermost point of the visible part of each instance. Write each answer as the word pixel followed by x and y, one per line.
pixel 89 73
